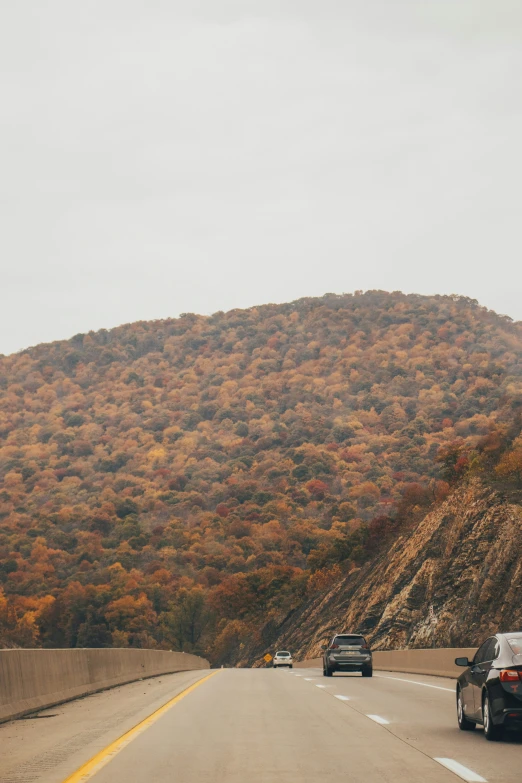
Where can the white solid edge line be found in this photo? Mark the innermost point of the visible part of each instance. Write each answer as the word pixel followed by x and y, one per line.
pixel 415 682
pixel 460 770
pixel 342 698
pixel 378 719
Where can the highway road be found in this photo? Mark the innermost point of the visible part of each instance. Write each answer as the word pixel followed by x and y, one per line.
pixel 260 726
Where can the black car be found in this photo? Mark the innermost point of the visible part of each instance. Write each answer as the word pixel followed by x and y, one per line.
pixel 489 692
pixel 347 652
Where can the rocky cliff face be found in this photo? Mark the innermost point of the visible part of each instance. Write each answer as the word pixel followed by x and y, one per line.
pixel 449 583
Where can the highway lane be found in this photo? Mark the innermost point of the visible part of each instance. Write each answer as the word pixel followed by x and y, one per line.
pixel 266 726
pixel 261 725
pixel 421 711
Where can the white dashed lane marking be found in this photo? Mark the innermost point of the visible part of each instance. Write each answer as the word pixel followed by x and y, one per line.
pixel 342 698
pixel 379 719
pixel 462 771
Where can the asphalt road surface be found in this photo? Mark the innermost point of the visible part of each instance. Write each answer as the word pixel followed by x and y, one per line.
pixel 260 726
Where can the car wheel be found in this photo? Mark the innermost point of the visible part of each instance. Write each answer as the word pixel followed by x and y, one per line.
pixel 491 732
pixel 464 723
pixel 291 666
pixel 367 671
pixel 328 672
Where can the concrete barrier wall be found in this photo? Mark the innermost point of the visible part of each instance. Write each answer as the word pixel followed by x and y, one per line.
pixel 33 679
pixel 439 662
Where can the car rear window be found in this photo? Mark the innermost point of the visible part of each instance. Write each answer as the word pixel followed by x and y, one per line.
pixel 283 654
pixel 515 642
pixel 349 640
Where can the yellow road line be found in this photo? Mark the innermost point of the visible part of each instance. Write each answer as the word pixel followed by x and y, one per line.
pixel 90 768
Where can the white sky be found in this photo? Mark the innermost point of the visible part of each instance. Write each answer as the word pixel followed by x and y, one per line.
pixel 167 156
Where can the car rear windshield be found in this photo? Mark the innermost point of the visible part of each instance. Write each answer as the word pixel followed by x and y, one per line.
pixel 515 642
pixel 349 641
pixel 283 654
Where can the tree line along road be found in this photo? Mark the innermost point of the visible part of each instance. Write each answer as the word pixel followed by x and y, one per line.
pixel 260 725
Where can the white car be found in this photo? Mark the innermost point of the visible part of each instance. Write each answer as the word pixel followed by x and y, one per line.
pixel 282 658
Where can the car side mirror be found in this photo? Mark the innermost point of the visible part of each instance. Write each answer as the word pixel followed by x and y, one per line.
pixel 462 662
pixel 324 647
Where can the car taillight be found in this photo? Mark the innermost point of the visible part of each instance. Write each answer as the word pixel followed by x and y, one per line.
pixel 510 675
pixel 334 647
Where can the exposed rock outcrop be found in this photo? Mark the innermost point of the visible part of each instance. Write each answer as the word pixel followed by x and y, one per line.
pixel 448 583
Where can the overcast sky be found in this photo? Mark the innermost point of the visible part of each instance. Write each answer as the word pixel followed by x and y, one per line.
pixel 168 156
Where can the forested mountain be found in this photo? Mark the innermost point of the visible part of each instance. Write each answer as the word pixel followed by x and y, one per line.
pixel 180 483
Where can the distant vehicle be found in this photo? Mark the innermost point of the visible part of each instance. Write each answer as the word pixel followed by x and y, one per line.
pixel 489 692
pixel 347 652
pixel 282 658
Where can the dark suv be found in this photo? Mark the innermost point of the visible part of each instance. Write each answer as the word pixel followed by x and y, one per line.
pixel 347 652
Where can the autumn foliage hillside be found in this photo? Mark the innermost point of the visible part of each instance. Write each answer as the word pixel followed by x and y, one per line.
pixel 180 483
